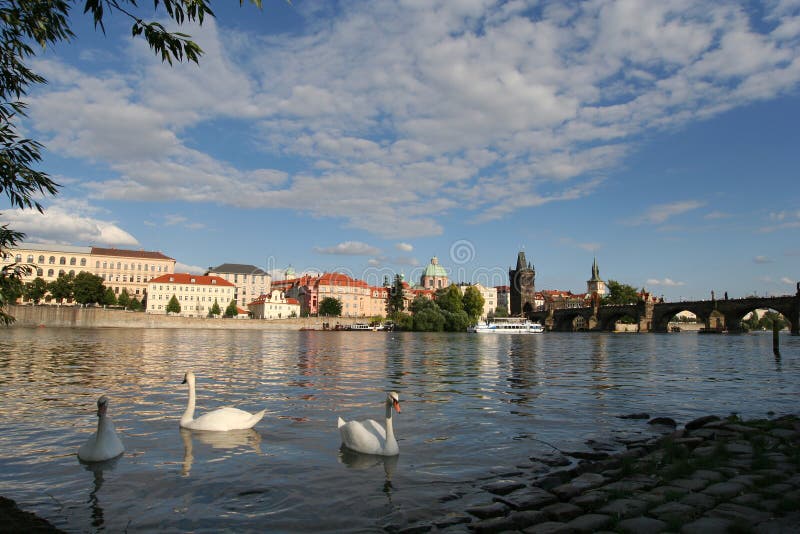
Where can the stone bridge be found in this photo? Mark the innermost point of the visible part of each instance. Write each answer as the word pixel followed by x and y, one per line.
pixel 654 317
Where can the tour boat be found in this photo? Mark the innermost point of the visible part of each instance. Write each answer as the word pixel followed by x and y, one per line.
pixel 510 325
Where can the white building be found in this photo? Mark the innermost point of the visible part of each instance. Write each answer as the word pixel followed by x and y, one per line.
pixel 196 294
pixel 274 305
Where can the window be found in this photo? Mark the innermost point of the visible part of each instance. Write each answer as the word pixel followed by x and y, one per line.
pixel 39 271
pixel 41 259
pixel 83 262
pixel 18 258
pixel 52 260
pixel 97 265
pixel 50 272
pixel 30 258
pixel 72 272
pixel 119 265
pixel 61 271
pixel 62 260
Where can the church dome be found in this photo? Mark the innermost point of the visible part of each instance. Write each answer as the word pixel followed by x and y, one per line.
pixel 434 269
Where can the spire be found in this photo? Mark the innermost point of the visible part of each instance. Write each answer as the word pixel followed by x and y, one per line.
pixel 595 271
pixel 521 263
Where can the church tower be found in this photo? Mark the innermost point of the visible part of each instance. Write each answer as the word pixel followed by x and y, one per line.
pixel 522 290
pixel 596 285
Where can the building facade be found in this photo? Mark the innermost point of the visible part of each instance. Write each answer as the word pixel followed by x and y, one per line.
pixel 489 295
pixel 119 268
pixel 274 305
pixel 522 287
pixel 504 298
pixel 595 285
pixel 196 294
pixel 250 281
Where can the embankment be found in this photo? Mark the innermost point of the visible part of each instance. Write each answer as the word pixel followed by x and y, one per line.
pixel 75 316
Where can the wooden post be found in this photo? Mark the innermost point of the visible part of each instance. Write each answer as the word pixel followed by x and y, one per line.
pixel 775 337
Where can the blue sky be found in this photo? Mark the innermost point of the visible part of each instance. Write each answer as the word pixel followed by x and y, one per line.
pixel 366 137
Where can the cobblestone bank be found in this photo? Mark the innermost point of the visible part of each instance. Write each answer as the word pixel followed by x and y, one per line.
pixel 714 476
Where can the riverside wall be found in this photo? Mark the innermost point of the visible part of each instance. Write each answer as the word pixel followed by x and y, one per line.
pixel 96 317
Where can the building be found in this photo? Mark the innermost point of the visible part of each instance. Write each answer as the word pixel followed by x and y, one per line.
pixel 274 305
pixel 558 300
pixel 489 295
pixel 196 293
pixel 119 268
pixel 435 276
pixel 522 282
pixel 595 285
pixel 504 298
pixel 250 281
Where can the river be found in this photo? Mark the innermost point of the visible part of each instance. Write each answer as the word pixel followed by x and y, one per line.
pixel 472 406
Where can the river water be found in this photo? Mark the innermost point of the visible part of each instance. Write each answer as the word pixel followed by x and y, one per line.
pixel 472 406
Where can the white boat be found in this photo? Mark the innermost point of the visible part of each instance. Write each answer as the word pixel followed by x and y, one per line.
pixel 507 325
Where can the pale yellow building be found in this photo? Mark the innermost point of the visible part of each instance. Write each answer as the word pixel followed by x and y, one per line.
pixel 196 293
pixel 250 281
pixel 489 295
pixel 119 268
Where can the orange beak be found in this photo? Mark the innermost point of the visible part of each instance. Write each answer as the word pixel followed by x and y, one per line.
pixel 396 405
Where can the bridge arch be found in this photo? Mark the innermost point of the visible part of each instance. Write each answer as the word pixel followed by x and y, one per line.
pixel 608 320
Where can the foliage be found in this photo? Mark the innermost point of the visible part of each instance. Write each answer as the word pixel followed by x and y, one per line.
pixel 173 306
pixel 767 321
pixel 473 303
pixel 26 29
pixel 88 288
pixel 232 310
pixel 35 290
pixel 11 290
pixel 331 307
pixel 420 303
pixel 61 287
pixel 500 312
pixel 402 320
pixel 619 293
pixel 134 305
pixel 449 298
pixel 456 321
pixel 215 310
pixel 109 298
pixel 429 320
pixel 395 302
pixel 124 298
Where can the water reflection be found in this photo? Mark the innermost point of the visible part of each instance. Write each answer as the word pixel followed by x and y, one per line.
pixel 232 439
pixel 357 460
pixel 97 469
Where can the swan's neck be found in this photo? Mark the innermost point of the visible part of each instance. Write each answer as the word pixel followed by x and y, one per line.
pixel 188 415
pixel 391 442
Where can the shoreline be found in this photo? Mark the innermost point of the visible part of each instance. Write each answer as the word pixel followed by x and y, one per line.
pixel 712 475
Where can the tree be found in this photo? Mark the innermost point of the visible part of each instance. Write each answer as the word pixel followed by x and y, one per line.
pixel 124 298
pixel 473 303
pixel 88 288
pixel 429 320
pixel 61 287
pixel 109 298
pixel 12 289
pixel 420 303
pixel 35 290
pixel 29 27
pixel 215 310
pixel 621 293
pixel 134 305
pixel 395 303
pixel 501 312
pixel 173 306
pixel 449 299
pixel 232 310
pixel 456 321
pixel 330 306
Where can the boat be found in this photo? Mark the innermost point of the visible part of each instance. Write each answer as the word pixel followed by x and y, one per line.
pixel 507 325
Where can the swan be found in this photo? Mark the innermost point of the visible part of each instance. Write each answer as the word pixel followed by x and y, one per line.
pixel 369 437
pixel 221 419
pixel 104 444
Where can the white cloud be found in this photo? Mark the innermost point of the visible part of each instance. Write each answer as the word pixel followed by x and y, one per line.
pixel 762 259
pixel 185 268
pixel 68 221
pixel 349 248
pixel 428 106
pixel 789 281
pixel 667 282
pixel 660 213
pixel 404 247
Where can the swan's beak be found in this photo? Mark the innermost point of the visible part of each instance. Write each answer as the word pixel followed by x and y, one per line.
pixel 184 379
pixel 396 405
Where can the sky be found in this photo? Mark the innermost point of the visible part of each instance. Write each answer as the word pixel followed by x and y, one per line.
pixel 367 137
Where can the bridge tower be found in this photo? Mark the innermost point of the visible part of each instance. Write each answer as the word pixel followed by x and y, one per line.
pixel 522 287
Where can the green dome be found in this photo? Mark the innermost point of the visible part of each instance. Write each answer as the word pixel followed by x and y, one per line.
pixel 434 269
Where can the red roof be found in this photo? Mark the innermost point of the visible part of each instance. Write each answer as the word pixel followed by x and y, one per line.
pixel 186 278
pixel 130 253
pixel 293 301
pixel 339 279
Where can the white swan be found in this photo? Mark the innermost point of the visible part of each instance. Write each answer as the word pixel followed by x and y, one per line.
pixel 104 444
pixel 221 419
pixel 369 437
